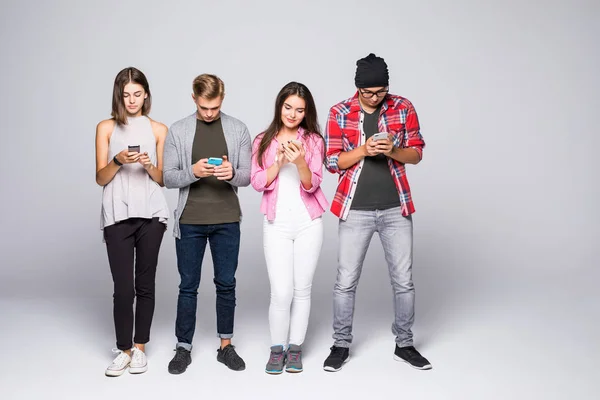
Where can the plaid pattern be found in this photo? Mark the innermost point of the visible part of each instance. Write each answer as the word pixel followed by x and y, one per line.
pixel 344 133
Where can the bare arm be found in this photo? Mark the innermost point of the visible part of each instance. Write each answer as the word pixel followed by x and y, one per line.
pixel 347 159
pixel 105 170
pixel 405 156
pixel 156 172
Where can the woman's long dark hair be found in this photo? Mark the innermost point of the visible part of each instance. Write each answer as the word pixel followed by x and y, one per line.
pixel 310 122
pixel 134 75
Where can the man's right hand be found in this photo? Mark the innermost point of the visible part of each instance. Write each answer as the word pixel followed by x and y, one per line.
pixel 203 169
pixel 370 148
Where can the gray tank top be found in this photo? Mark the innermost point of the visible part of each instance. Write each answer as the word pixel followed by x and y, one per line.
pixel 132 193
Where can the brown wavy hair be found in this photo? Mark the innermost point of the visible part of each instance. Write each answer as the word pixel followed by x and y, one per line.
pixel 208 86
pixel 127 75
pixel 310 122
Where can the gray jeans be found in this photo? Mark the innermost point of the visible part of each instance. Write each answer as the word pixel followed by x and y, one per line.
pixel 355 233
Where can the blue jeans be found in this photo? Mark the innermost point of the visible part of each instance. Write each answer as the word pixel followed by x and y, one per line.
pixel 355 233
pixel 224 240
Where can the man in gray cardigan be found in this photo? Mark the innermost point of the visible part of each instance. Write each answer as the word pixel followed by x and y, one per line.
pixel 207 157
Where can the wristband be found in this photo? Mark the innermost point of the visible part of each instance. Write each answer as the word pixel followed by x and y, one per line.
pixel 120 164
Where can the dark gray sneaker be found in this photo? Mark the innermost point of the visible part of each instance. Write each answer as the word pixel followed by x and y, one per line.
pixel 276 360
pixel 230 358
pixel 412 357
pixel 180 362
pixel 294 359
pixel 336 359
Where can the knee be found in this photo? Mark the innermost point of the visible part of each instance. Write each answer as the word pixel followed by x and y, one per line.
pixel 281 297
pixel 145 291
pixel 189 285
pixel 404 285
pixel 224 285
pixel 346 283
pixel 124 295
pixel 302 293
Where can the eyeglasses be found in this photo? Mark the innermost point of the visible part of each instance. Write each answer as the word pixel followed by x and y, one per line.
pixel 367 94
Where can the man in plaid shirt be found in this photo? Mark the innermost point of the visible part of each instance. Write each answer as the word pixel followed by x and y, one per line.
pixel 369 138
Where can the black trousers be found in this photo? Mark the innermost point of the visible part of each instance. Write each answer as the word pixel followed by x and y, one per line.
pixel 139 239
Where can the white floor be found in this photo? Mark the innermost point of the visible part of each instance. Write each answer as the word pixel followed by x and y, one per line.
pixel 526 339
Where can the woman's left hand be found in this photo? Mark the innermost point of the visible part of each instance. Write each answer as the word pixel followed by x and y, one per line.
pixel 295 152
pixel 145 161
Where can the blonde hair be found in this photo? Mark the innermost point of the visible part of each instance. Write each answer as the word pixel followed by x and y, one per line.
pixel 208 86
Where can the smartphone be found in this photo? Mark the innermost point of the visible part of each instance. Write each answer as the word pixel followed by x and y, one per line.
pixel 215 161
pixel 134 149
pixel 296 142
pixel 380 136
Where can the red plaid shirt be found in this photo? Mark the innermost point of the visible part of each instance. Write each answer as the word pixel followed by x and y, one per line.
pixel 344 133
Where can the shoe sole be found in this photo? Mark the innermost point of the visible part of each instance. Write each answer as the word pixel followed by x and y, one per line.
pixel 138 370
pixel 113 373
pixel 294 370
pixel 331 369
pixel 273 372
pixel 425 367
pixel 223 362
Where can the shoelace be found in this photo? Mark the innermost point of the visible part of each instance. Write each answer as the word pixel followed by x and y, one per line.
pixel 228 351
pixel 412 352
pixel 121 359
pixel 230 355
pixel 275 358
pixel 337 351
pixel 137 355
pixel 294 356
pixel 180 354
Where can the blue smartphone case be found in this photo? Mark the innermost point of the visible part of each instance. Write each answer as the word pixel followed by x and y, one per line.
pixel 215 161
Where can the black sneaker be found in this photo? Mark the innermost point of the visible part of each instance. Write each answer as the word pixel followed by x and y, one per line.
pixel 180 362
pixel 411 356
pixel 336 359
pixel 229 357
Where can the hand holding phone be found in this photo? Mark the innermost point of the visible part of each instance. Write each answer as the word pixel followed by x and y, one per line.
pixel 382 144
pixel 129 155
pixel 215 161
pixel 223 171
pixel 202 169
pixel 294 151
pixel 380 136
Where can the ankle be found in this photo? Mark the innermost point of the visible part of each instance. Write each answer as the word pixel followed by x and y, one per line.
pixel 141 347
pixel 225 343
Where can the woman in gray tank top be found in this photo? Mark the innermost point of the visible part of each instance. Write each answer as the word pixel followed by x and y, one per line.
pixel 129 149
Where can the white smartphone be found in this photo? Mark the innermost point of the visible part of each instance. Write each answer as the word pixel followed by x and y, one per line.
pixel 380 136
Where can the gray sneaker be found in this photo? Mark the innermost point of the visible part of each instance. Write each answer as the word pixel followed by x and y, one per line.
pixel 294 359
pixel 276 360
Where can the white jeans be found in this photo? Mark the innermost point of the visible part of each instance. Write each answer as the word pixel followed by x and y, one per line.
pixel 292 244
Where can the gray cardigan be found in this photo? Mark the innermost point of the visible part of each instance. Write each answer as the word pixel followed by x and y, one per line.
pixel 177 159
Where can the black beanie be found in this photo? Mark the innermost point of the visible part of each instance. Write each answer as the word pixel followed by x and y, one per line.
pixel 371 71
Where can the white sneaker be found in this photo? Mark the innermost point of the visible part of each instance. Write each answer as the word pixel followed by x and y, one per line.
pixel 119 364
pixel 139 363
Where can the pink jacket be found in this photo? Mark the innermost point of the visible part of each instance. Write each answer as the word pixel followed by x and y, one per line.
pixel 313 198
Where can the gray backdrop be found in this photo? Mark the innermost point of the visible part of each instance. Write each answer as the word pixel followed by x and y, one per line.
pixel 505 195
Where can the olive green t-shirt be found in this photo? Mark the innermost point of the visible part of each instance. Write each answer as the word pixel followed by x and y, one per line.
pixel 210 200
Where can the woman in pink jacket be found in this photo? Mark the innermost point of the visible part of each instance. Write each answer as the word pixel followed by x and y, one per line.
pixel 287 166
